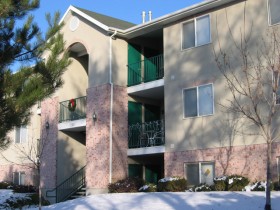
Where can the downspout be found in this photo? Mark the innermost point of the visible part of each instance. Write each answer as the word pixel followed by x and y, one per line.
pixel 111 108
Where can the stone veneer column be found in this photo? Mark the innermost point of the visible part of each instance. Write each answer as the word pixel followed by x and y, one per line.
pixel 249 161
pixel 49 113
pixel 120 133
pixel 98 137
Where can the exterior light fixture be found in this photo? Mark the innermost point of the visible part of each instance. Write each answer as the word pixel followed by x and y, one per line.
pixel 94 117
pixel 47 125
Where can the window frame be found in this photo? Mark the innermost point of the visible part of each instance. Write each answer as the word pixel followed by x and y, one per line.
pixel 199 163
pixel 197 101
pixel 20 135
pixel 278 167
pixel 269 15
pixel 195 32
pixel 20 180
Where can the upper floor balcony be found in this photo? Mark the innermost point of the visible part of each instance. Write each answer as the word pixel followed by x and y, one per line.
pixel 148 134
pixel 72 114
pixel 147 70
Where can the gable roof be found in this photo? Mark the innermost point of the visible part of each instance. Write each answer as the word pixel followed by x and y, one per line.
pixel 129 30
pixel 107 20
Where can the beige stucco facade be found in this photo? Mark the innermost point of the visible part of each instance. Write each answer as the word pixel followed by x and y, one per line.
pixel 99 140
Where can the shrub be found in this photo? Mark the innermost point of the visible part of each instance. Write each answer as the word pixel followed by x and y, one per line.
pixel 148 188
pixel 276 186
pixel 220 183
pixel 237 183
pixel 126 185
pixel 5 185
pixel 172 184
pixel 201 188
pixel 24 188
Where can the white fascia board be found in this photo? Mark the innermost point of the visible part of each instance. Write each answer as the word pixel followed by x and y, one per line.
pixel 80 13
pixel 169 18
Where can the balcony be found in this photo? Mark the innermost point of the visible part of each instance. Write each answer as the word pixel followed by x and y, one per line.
pixel 147 70
pixel 77 112
pixel 147 134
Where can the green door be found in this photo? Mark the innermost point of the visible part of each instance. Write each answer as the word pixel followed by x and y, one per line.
pixel 134 65
pixel 134 117
pixel 150 65
pixel 134 112
pixel 135 170
pixel 152 173
pixel 152 113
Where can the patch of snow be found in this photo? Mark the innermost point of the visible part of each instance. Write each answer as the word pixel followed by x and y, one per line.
pixel 168 179
pixel 171 201
pixel 222 178
pixel 145 187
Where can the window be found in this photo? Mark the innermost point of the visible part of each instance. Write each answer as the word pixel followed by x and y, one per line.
pixel 278 168
pixel 274 14
pixel 198 101
pixel 196 32
pixel 202 172
pixel 21 134
pixel 19 178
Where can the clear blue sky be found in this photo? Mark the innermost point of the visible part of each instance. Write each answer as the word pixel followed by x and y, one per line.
pixel 129 10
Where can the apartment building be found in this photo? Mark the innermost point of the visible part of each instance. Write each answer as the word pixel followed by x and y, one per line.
pixel 145 100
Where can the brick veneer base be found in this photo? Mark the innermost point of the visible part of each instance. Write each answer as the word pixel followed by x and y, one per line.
pixel 6 173
pixel 249 161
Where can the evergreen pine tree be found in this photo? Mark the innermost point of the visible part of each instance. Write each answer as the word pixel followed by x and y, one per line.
pixel 36 78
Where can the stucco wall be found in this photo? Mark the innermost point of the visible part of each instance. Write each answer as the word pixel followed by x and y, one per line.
pixel 196 66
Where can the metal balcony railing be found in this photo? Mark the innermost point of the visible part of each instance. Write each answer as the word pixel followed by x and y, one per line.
pixel 67 113
pixel 146 134
pixel 147 70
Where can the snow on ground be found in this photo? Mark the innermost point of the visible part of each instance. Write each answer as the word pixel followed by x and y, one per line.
pixel 171 201
pixel 8 194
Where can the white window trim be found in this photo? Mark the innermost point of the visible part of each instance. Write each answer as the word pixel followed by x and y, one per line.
pixel 199 168
pixel 20 139
pixel 278 167
pixel 197 101
pixel 269 15
pixel 19 176
pixel 195 20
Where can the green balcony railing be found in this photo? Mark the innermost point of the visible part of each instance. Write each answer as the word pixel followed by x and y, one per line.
pixel 68 112
pixel 146 134
pixel 147 70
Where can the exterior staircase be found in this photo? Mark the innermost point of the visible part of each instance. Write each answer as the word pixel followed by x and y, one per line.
pixel 72 187
pixel 78 194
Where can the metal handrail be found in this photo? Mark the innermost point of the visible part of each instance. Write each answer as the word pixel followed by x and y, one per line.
pixel 153 68
pixel 146 134
pixel 68 187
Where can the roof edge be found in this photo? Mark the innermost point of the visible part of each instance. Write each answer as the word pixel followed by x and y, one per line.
pixel 87 17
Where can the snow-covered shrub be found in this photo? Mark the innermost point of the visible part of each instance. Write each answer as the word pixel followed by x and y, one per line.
pixel 148 188
pixel 172 184
pixel 257 186
pixel 23 188
pixel 5 185
pixel 220 183
pixel 237 183
pixel 276 186
pixel 201 188
pixel 126 185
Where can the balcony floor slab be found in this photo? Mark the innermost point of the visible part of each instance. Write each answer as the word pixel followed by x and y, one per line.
pixel 75 125
pixel 146 150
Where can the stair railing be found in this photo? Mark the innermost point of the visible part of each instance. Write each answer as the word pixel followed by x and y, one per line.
pixel 68 187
